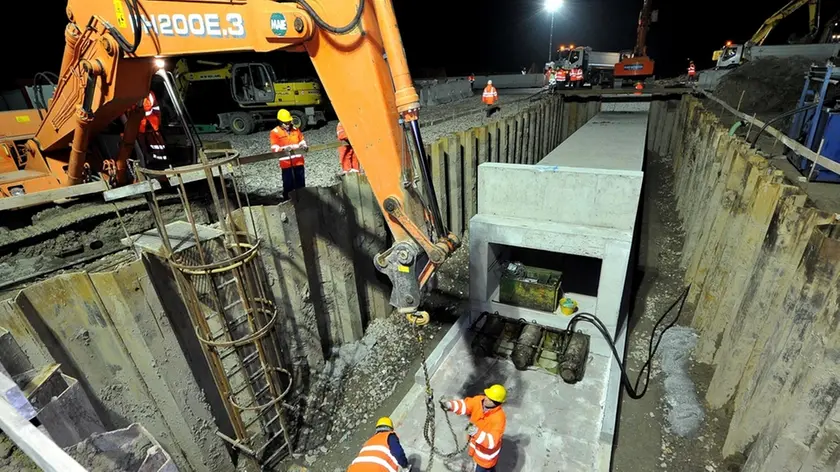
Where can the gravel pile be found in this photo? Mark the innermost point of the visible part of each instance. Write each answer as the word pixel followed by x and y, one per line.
pixel 322 167
pixel 770 85
pixel 357 379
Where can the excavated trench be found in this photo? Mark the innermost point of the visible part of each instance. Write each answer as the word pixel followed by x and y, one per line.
pixel 760 257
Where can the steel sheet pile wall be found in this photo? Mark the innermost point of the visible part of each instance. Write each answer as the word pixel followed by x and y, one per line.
pixel 524 138
pixel 765 273
pixel 110 331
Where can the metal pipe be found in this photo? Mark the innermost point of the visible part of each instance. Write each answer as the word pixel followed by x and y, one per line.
pixel 426 176
pixel 180 111
pixel 81 135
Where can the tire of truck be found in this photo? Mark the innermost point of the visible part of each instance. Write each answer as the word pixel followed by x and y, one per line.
pixel 241 123
pixel 299 119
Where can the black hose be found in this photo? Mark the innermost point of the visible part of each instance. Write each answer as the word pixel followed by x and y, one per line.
pixel 39 99
pixel 777 118
pixel 136 23
pixel 333 29
pixel 633 390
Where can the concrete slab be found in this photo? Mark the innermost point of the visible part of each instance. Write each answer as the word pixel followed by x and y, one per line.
pixel 550 423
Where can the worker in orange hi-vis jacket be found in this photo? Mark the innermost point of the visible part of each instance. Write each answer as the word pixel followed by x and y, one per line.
pixel 487 425
pixel 490 96
pixel 150 128
pixel 346 154
pixel 287 137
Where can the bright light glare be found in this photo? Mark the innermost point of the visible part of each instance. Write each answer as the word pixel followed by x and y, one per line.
pixel 159 63
pixel 551 6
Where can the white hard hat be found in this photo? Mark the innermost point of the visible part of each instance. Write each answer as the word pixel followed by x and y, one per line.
pixel 489 82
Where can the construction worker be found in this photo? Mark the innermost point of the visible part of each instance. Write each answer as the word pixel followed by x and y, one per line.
pixel 150 128
pixel 471 78
pixel 346 154
pixel 576 77
pixel 381 453
pixel 561 76
pixel 692 72
pixel 287 137
pixel 489 97
pixel 552 80
pixel 487 425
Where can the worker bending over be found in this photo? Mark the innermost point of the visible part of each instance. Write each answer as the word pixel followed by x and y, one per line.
pixel 490 96
pixel 287 137
pixel 346 154
pixel 381 453
pixel 487 425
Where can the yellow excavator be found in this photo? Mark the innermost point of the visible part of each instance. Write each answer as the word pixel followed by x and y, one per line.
pixel 237 105
pixel 732 55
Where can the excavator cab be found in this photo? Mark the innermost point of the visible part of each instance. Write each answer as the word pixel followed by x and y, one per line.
pixel 252 83
pixel 730 56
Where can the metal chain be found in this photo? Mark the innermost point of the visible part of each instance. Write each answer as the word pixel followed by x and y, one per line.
pixel 429 425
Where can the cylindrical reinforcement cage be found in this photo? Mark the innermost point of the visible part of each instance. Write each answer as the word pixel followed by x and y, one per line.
pixel 220 276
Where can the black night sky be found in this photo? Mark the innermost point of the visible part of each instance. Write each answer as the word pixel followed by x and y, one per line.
pixel 495 36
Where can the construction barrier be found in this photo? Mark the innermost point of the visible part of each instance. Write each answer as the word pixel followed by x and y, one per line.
pixel 764 269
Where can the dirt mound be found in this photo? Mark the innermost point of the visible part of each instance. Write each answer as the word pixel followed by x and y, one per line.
pixel 770 85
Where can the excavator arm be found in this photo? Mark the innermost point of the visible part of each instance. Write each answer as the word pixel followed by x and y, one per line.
pixel 114 48
pixel 770 23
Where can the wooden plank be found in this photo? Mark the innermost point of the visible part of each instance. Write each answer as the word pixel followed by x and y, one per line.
pixel 471 151
pixel 504 134
pixel 784 139
pixel 67 311
pixel 528 132
pixel 42 450
pixel 367 226
pixel 286 274
pixel 438 168
pixel 45 196
pixel 143 326
pixel 482 135
pixel 455 174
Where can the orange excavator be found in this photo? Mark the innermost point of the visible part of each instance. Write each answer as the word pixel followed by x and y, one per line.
pixel 634 66
pixel 114 48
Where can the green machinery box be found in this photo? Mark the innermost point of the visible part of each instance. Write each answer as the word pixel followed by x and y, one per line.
pixel 533 287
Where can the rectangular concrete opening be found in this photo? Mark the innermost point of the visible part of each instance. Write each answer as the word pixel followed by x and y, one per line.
pixel 580 274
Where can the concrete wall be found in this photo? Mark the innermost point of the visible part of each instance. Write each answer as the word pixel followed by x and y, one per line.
pixel 764 269
pixel 437 92
pixel 503 81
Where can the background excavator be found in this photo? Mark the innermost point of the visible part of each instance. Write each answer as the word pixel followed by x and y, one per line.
pixel 114 48
pixel 634 66
pixel 231 96
pixel 732 55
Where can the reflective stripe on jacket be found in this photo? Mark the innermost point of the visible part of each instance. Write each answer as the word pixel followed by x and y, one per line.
pixel 281 140
pixel 490 95
pixel 375 456
pixel 486 443
pixel 561 75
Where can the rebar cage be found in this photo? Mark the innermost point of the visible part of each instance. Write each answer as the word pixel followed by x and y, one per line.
pixel 219 272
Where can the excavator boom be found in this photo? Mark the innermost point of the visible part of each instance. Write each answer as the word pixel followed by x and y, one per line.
pixel 113 48
pixel 770 23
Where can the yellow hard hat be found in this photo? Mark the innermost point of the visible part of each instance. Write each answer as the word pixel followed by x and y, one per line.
pixel 497 393
pixel 284 115
pixel 385 421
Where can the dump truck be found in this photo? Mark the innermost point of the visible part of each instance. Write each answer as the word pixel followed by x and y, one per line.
pixel 597 65
pixel 238 104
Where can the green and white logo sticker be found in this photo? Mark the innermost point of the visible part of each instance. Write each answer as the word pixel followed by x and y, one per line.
pixel 279 24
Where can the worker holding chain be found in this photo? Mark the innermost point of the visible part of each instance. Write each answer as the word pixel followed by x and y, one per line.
pixel 287 137
pixel 381 453
pixel 487 425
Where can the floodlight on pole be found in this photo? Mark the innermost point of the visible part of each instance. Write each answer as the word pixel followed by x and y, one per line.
pixel 551 7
